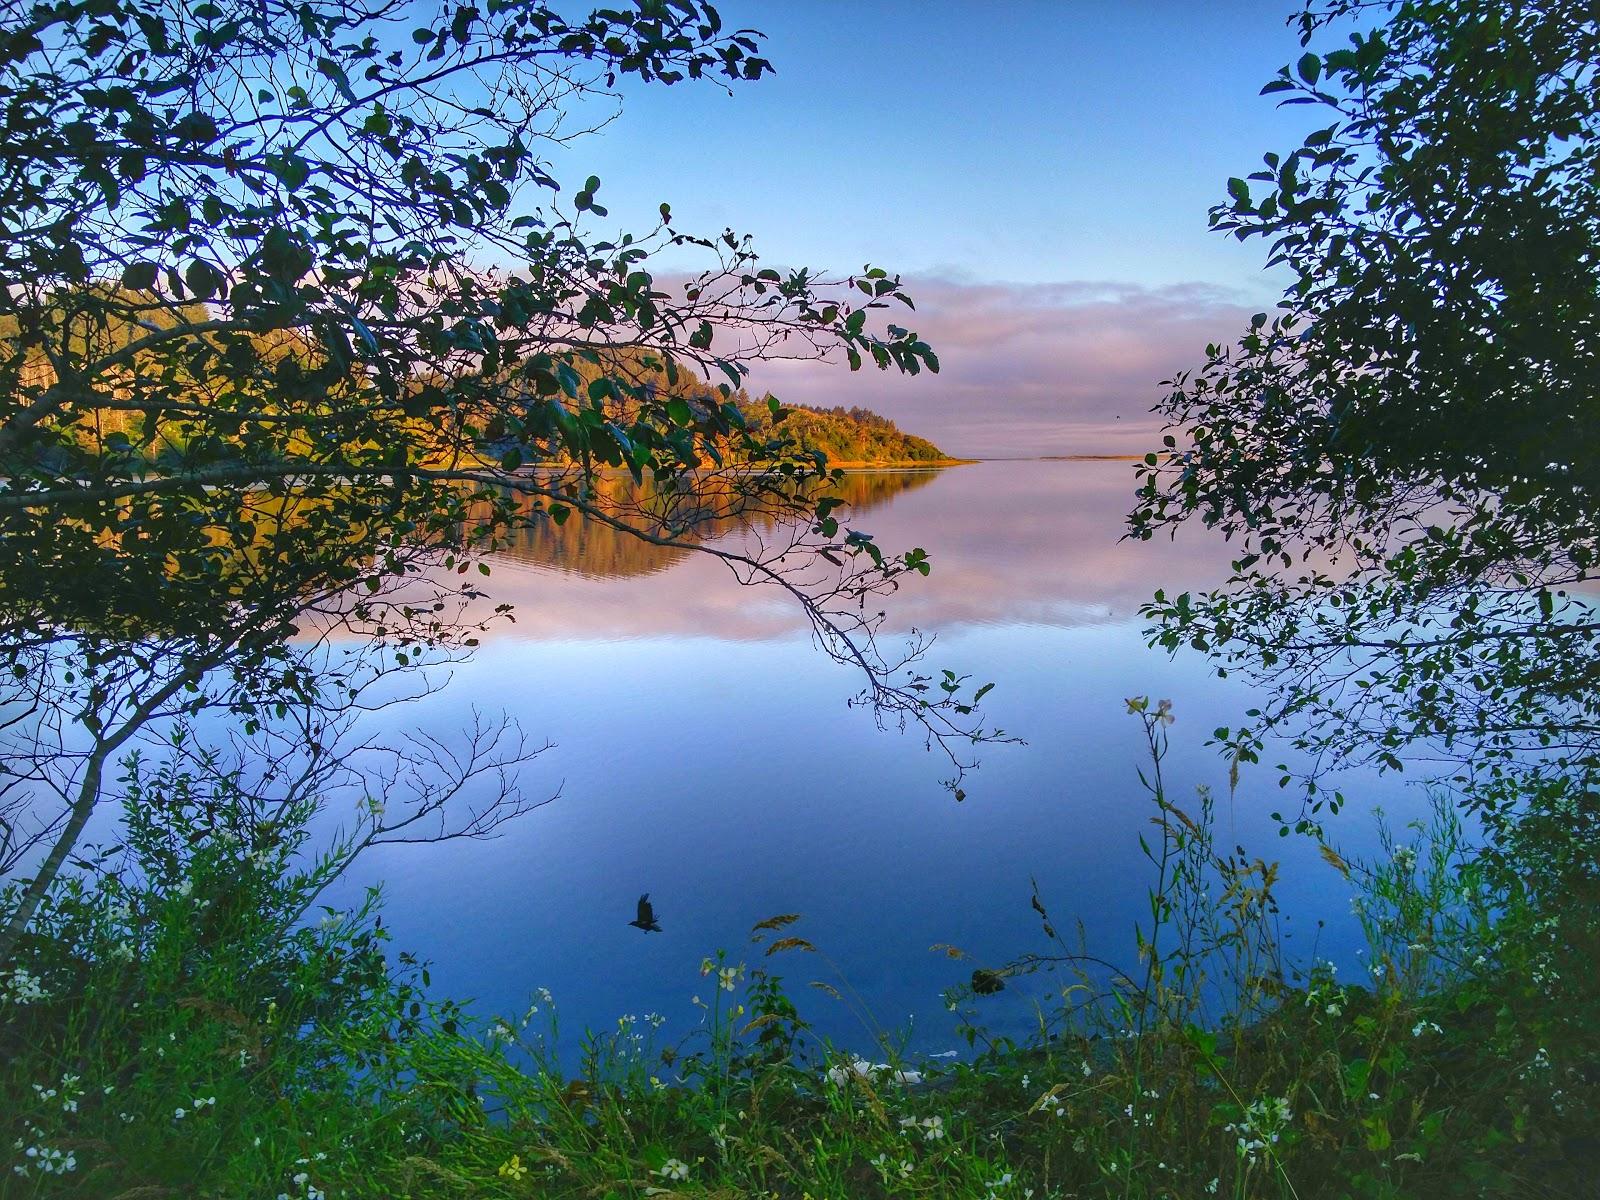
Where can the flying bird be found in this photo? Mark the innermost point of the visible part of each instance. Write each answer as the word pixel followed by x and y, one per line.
pixel 646 920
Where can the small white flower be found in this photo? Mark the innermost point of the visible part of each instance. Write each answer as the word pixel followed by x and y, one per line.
pixel 23 987
pixel 673 1168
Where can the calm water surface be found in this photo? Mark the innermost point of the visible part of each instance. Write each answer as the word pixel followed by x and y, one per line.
pixel 705 753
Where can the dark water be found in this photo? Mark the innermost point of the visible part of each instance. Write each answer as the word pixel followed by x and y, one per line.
pixel 705 753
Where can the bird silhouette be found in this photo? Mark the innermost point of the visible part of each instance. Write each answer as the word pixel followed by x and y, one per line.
pixel 646 920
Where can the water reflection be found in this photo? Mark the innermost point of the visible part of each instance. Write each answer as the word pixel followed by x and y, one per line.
pixel 598 551
pixel 1011 542
pixel 706 755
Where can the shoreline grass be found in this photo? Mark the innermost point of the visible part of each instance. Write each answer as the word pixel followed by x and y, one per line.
pixel 175 1028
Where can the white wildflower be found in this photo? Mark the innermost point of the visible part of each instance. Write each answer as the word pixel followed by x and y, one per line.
pixel 23 987
pixel 673 1168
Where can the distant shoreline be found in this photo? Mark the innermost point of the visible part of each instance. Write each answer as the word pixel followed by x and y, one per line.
pixel 1053 458
pixel 1090 457
pixel 931 464
pixel 902 464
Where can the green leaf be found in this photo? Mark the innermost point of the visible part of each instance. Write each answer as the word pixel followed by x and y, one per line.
pixel 331 70
pixel 292 170
pixel 140 276
pixel 203 279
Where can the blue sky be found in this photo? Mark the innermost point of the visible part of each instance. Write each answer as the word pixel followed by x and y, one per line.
pixel 1040 146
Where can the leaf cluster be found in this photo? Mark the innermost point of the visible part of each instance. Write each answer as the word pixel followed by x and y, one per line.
pixel 1403 453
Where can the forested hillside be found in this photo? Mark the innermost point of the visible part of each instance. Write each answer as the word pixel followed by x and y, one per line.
pixel 849 436
pixel 155 424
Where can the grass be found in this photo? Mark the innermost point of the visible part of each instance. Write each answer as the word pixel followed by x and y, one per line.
pixel 179 1024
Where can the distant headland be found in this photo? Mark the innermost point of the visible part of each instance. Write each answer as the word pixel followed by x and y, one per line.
pixel 851 437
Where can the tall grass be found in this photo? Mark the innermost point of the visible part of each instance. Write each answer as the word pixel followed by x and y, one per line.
pixel 184 1021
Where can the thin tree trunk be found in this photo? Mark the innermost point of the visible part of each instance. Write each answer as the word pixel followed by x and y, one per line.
pixel 82 807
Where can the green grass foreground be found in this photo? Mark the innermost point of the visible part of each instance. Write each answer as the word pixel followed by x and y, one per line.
pixel 185 1021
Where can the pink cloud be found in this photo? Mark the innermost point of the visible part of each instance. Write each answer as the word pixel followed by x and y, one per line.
pixel 1064 368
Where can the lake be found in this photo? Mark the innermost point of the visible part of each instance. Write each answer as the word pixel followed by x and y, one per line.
pixel 706 753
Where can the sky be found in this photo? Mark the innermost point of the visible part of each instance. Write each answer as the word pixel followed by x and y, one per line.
pixel 1038 172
